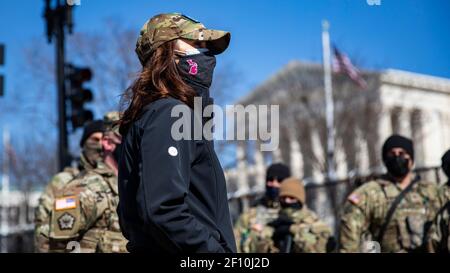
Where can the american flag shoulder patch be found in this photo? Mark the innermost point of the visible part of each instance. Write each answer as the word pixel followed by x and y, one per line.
pixel 354 198
pixel 64 203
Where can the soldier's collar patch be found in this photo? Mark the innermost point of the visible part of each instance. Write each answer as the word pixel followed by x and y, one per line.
pixel 66 221
pixel 354 198
pixel 65 203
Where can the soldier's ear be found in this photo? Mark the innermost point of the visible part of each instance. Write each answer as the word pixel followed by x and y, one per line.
pixel 411 163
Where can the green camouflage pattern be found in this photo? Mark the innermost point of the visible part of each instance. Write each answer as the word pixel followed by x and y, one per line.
pixel 94 221
pixel 89 158
pixel 166 27
pixel 110 120
pixel 44 207
pixel 309 234
pixel 444 194
pixel 56 184
pixel 365 211
pixel 439 236
pixel 259 215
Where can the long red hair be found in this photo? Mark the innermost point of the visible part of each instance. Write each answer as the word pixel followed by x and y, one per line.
pixel 158 79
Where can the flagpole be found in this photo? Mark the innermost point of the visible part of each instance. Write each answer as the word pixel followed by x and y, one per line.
pixel 329 104
pixel 4 229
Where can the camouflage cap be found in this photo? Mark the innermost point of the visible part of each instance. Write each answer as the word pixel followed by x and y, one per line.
pixel 170 26
pixel 111 122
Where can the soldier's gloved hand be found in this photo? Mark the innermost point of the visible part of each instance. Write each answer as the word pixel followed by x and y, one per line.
pixel 282 220
pixel 282 227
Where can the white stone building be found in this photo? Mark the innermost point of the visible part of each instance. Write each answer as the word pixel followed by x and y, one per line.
pixel 414 105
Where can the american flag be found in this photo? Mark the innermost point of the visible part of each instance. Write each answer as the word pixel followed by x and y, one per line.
pixel 65 203
pixel 342 64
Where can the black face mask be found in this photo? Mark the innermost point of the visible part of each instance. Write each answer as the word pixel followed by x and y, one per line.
pixel 397 166
pixel 295 206
pixel 272 193
pixel 197 71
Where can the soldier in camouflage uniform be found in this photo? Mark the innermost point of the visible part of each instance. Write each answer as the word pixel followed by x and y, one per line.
pixel 366 211
pixel 296 230
pixel 85 210
pixel 90 154
pixel 265 210
pixel 439 237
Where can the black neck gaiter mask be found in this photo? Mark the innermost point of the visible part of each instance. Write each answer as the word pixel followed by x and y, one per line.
pixel 272 193
pixel 294 206
pixel 197 71
pixel 397 166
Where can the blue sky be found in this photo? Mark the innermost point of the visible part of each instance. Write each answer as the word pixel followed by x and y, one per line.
pixel 411 35
pixel 405 34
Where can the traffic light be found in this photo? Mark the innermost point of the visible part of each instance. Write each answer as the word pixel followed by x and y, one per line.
pixel 2 62
pixel 59 18
pixel 78 95
pixel 2 54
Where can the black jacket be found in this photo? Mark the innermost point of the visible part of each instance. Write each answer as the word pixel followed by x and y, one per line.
pixel 173 196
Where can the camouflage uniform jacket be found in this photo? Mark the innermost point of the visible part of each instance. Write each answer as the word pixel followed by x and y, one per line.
pixel 85 212
pixel 439 237
pixel 365 212
pixel 309 234
pixel 262 214
pixel 46 201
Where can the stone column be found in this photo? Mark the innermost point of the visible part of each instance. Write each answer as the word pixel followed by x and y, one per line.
pixel 385 128
pixel 340 158
pixel 384 131
pixel 242 183
pixel 433 143
pixel 319 199
pixel 363 154
pixel 418 137
pixel 260 168
pixel 295 154
pixel 319 155
pixel 446 129
pixel 404 122
pixel 276 155
pixel 296 158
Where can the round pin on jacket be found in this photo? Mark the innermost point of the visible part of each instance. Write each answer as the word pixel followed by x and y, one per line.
pixel 173 151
